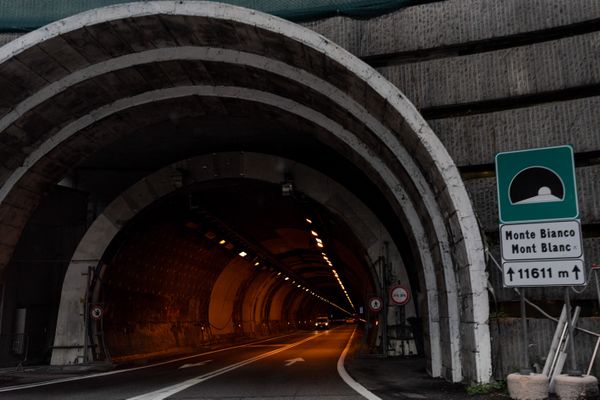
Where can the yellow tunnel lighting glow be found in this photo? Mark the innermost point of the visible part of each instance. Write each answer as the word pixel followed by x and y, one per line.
pixel 279 273
pixel 318 240
pixel 222 241
pixel 320 244
pixel 314 233
pixel 287 278
pixel 256 264
pixel 309 220
pixel 298 285
pixel 243 254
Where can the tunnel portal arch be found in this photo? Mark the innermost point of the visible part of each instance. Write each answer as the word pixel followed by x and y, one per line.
pixel 68 88
pixel 369 230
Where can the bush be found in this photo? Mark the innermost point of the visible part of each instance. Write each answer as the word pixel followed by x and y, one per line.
pixel 485 388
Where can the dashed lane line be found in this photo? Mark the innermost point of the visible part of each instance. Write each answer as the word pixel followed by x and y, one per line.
pixel 165 392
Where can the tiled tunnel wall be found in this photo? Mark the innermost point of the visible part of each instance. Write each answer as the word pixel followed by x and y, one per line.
pixel 171 289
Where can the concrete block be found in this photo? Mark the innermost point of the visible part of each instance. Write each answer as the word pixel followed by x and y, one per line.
pixel 498 74
pixel 577 387
pixel 527 387
pixel 475 139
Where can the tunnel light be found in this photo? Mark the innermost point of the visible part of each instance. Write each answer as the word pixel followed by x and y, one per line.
pixel 287 278
pixel 314 233
pixel 242 254
pixel 279 273
pixel 320 244
pixel 256 264
pixel 298 285
pixel 222 241
pixel 309 220
pixel 318 240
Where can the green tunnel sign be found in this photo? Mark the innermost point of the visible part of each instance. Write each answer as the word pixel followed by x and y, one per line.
pixel 536 185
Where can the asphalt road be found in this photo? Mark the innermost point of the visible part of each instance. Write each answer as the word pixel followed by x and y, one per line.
pixel 298 366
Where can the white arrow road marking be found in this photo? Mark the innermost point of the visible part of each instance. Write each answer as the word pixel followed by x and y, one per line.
pixel 168 391
pixel 194 365
pixel 293 361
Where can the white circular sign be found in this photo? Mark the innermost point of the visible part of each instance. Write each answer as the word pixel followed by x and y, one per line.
pixel 96 311
pixel 375 304
pixel 399 295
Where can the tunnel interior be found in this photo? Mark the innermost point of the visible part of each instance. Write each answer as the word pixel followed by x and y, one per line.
pixel 231 259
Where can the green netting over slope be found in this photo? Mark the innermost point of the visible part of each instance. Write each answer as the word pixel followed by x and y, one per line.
pixel 26 15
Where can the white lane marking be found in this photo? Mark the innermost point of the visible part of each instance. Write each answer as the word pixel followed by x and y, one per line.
pixel 293 361
pixel 163 393
pixel 78 378
pixel 195 364
pixel 360 389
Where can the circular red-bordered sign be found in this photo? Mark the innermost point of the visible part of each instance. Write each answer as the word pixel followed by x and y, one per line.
pixel 96 311
pixel 399 295
pixel 375 304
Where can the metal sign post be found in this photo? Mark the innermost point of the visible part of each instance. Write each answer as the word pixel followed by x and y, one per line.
pixel 572 361
pixel 526 370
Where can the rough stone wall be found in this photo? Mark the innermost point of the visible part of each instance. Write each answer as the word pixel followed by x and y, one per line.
pixel 491 77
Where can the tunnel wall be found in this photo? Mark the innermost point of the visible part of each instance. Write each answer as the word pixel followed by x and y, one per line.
pixel 498 76
pixel 157 289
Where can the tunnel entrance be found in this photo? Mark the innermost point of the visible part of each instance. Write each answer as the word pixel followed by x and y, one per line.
pixel 225 261
pixel 132 103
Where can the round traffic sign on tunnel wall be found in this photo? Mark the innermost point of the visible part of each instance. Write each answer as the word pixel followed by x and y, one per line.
pixel 399 295
pixel 375 304
pixel 96 311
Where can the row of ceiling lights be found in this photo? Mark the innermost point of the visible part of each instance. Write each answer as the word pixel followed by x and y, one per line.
pixel 257 263
pixel 320 245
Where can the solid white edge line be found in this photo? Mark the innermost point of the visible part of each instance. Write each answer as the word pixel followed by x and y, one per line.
pixel 360 389
pixel 120 371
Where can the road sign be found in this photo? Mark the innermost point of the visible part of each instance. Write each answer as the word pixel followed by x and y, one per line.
pixel 399 295
pixel 544 273
pixel 96 311
pixel 375 304
pixel 536 184
pixel 541 240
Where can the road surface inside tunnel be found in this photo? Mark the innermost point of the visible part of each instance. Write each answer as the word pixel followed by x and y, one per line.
pixel 298 366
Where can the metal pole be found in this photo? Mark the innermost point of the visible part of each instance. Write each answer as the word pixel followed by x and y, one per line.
pixel 554 347
pixel 572 361
pixel 597 286
pixel 593 356
pixel 526 370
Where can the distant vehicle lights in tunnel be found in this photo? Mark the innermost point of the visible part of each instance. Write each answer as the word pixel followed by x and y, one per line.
pixel 243 254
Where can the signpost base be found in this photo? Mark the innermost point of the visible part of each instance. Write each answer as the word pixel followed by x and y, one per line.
pixel 527 387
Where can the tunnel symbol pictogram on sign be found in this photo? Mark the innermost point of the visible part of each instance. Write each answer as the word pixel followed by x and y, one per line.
pixel 536 185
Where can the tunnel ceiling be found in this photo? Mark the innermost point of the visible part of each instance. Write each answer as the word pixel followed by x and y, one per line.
pixel 177 132
pixel 272 228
